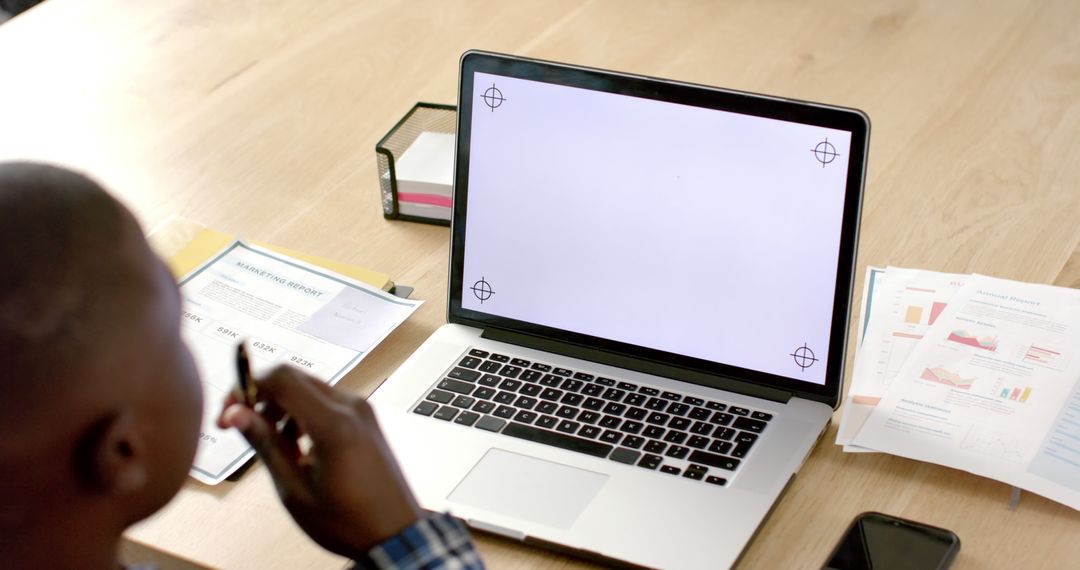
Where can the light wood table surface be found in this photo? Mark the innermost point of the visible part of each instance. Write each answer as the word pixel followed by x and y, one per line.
pixel 260 118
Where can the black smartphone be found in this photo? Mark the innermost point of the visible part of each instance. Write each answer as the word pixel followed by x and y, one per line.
pixel 877 541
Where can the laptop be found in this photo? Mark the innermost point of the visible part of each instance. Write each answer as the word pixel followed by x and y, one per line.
pixel 649 293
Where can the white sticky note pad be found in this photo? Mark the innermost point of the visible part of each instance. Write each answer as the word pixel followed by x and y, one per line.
pixel 427 166
pixel 355 319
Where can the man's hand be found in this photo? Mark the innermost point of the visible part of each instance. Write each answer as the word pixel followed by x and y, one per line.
pixel 346 490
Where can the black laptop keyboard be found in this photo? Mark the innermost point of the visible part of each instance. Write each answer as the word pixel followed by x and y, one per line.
pixel 621 421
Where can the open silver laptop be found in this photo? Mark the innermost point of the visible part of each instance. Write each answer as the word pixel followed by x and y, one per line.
pixel 649 292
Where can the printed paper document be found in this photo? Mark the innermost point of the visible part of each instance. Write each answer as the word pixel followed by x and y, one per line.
pixel 288 312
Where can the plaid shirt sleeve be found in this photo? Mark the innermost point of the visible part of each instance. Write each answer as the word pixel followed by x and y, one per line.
pixel 439 542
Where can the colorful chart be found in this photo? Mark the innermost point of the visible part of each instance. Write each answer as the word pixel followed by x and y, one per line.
pixel 964 337
pixel 935 311
pixel 1041 355
pixel 943 376
pixel 1016 394
pixel 913 315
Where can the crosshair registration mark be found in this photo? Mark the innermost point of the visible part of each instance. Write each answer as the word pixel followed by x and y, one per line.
pixel 804 357
pixel 825 152
pixel 493 98
pixel 482 289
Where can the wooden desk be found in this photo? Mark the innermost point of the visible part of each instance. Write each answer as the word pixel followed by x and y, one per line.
pixel 260 118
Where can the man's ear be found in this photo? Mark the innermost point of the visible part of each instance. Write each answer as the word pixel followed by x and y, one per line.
pixel 112 458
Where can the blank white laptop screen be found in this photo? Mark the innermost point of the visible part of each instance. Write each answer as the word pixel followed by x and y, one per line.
pixel 698 232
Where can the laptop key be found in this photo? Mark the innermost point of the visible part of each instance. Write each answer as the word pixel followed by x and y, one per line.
pixel 557 439
pixel 715 406
pixel 593 404
pixel 440 396
pixel 694 474
pixel 562 371
pixel 425 408
pixel 551 394
pixel 505 397
pixel 525 417
pixel 590 431
pixel 670 396
pixel 693 401
pixel 716 480
pixel 648 391
pixel 679 423
pixel 567 426
pixel 670 469
pixel 633 441
pixel 761 416
pixel 505 412
pixel 656 404
pixel 456 386
pixel 677 452
pixel 626 386
pixel 611 436
pixel 464 374
pixel 721 447
pixel 525 402
pixel 724 433
pixel 572 399
pixel 509 384
pixel 636 413
pixel 614 408
pixel 657 418
pixel 470 362
pixel 650 461
pixel 614 394
pixel 567 412
pixel 592 389
pixel 482 407
pixel 531 376
pixel 499 358
pixel 490 423
pixel 701 428
pixel 756 426
pixel 583 376
pixel 571 385
pixel 714 460
pixel 467 418
pixel 611 421
pixel 678 409
pixel 624 455
pixel 463 402
pixel 551 380
pixel 547 407
pixel 478 353
pixel 531 389
pixel 697 442
pixel 635 399
pixel 630 426
pixel 510 371
pixel 445 413
pixel 588 417
pixel 490 380
pixel 675 436
pixel 604 381
pixel 655 432
pixel 655 446
pixel 490 366
pixel 699 414
pixel 739 411
pixel 520 362
pixel 721 418
pixel 547 421
pixel 485 393
pixel 541 367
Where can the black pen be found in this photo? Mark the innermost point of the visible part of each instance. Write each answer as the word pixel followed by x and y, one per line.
pixel 245 385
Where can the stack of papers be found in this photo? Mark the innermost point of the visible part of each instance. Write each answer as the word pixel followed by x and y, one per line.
pixel 425 176
pixel 288 312
pixel 971 372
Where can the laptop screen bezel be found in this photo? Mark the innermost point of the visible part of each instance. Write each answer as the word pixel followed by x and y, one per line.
pixel 850 120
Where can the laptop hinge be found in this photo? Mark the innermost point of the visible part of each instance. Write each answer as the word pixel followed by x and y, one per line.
pixel 638 364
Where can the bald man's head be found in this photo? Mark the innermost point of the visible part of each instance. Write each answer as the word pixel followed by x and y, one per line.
pixel 101 403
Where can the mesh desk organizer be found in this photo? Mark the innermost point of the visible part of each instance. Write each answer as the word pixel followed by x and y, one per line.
pixel 416 161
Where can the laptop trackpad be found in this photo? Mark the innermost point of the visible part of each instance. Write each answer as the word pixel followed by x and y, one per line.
pixel 528 488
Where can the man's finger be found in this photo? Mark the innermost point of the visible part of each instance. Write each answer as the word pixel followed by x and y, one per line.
pixel 300 397
pixel 264 438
